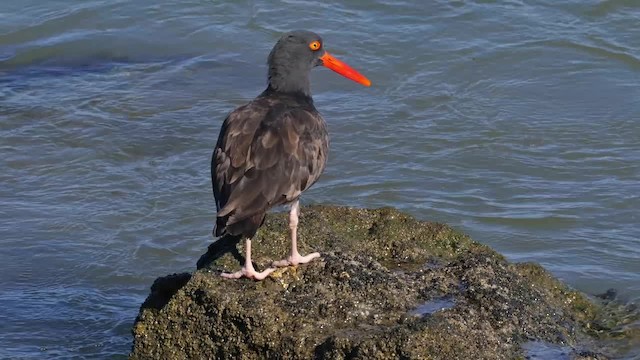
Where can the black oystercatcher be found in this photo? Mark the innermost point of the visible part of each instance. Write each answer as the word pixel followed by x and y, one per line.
pixel 275 147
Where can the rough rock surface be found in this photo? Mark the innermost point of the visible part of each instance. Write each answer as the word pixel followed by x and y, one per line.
pixel 386 287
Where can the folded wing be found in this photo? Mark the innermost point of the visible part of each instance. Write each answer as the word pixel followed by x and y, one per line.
pixel 267 155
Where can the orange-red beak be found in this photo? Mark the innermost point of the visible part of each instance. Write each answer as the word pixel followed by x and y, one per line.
pixel 343 69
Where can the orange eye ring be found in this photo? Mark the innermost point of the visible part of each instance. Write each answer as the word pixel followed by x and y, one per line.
pixel 314 45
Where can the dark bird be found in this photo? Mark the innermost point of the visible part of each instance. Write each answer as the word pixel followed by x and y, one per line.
pixel 274 148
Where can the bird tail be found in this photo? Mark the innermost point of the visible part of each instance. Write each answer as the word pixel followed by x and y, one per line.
pixel 220 229
pixel 246 227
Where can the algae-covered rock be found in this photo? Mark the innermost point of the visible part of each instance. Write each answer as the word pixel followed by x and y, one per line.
pixel 386 287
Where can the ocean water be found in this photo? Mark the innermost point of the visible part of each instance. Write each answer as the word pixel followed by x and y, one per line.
pixel 517 122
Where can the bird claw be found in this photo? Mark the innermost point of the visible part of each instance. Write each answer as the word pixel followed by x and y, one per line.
pixel 296 259
pixel 249 273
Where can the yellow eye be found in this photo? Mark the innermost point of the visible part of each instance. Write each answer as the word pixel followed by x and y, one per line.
pixel 314 45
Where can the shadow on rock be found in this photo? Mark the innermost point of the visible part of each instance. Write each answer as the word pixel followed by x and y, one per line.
pixel 163 289
pixel 219 248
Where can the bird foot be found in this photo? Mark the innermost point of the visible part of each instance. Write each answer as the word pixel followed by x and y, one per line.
pixel 295 259
pixel 249 273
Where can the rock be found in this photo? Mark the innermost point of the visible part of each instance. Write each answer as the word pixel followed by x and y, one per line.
pixel 386 287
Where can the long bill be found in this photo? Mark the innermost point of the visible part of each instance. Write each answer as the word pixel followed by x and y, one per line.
pixel 343 69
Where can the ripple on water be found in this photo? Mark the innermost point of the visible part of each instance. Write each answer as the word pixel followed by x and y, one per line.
pixel 513 121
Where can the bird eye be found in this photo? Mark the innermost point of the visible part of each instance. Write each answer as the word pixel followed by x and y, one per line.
pixel 314 45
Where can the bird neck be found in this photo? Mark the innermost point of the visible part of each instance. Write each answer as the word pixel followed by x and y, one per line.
pixel 293 97
pixel 289 80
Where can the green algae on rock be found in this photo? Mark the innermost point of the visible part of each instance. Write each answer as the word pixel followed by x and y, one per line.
pixel 362 299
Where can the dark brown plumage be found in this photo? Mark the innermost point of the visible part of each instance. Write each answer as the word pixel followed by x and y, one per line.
pixel 269 151
pixel 275 147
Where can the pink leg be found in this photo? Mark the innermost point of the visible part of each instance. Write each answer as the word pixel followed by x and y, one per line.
pixel 247 270
pixel 295 258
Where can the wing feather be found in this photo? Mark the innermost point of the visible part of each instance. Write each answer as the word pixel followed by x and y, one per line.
pixel 267 154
